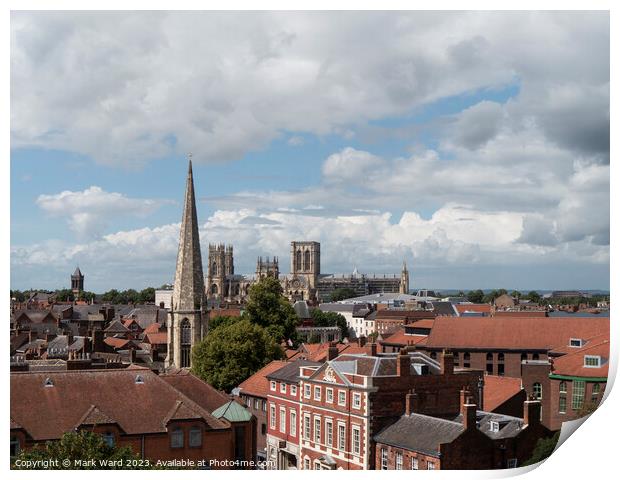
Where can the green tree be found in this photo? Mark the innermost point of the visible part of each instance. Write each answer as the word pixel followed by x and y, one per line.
pixel 111 296
pixel 516 294
pixel 220 320
pixel 269 308
pixel 18 296
pixel 534 296
pixel 544 448
pixel 82 445
pixel 475 296
pixel 64 295
pixel 342 294
pixel 330 319
pixel 147 295
pixel 231 353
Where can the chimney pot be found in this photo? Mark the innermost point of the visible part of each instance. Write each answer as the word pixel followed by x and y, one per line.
pixel 447 363
pixel 412 403
pixel 371 349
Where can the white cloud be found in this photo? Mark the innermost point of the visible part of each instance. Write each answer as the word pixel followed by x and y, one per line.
pixel 88 212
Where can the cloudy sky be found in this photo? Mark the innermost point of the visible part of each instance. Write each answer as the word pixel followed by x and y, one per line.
pixel 473 145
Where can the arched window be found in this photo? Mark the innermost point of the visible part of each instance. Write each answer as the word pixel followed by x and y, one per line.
pixel 307 260
pixel 434 355
pixel 537 390
pixel 237 289
pixel 523 357
pixel 214 289
pixel 562 387
pixel 500 357
pixel 466 357
pixel 489 357
pixel 214 268
pixel 298 260
pixel 535 356
pixel 186 342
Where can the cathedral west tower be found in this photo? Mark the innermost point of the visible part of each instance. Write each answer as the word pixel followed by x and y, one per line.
pixel 187 323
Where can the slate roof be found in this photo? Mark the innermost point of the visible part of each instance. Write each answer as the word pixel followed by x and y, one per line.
pixel 258 385
pixel 522 333
pixel 117 327
pixel 290 371
pixel 380 366
pixel 508 426
pixel 137 407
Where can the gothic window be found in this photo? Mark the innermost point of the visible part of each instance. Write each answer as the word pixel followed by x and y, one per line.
pixel 307 260
pixel 214 289
pixel 298 260
pixel 186 342
pixel 214 268
pixel 237 289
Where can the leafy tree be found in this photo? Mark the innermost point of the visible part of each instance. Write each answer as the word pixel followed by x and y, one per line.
pixel 18 296
pixel 342 294
pixel 534 296
pixel 330 319
pixel 64 295
pixel 221 320
pixel 544 448
pixel 82 445
pixel 111 296
pixel 269 308
pixel 147 295
pixel 516 294
pixel 232 352
pixel 475 296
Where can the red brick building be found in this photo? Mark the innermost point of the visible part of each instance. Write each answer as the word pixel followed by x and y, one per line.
pixel 131 407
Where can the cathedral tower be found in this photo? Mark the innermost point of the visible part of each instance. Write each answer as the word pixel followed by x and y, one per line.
pixel 188 321
pixel 404 279
pixel 77 282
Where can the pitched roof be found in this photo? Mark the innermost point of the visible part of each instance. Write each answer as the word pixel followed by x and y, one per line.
pixel 116 343
pixel 116 326
pixel 233 412
pixel 498 390
pixel 401 337
pixel 533 333
pixel 194 388
pixel 138 405
pixel 94 416
pixel 153 328
pixel 156 338
pixel 258 385
pixel 473 307
pixel 290 371
pixel 573 363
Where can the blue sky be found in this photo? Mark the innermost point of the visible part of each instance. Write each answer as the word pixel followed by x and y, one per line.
pixel 451 141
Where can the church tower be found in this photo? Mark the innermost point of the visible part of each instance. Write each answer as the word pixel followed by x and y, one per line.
pixel 404 279
pixel 188 320
pixel 77 282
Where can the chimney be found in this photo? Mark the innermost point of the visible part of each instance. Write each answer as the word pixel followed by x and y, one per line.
pixel 468 410
pixel 361 341
pixel 447 363
pixel 32 335
pixel 371 349
pixel 97 344
pixel 531 411
pixel 412 403
pixel 403 363
pixel 49 337
pixel 132 355
pixel 332 352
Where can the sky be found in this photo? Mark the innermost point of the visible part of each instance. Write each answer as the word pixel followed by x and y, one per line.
pixel 472 145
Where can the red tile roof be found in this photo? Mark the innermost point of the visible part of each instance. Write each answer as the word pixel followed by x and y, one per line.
pixel 473 307
pixel 534 333
pixel 152 328
pixel 116 343
pixel 497 390
pixel 258 385
pixel 573 363
pixel 156 338
pixel 200 392
pixel 401 338
pixel 135 398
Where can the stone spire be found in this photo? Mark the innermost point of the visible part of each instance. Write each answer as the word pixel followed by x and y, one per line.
pixel 188 293
pixel 404 279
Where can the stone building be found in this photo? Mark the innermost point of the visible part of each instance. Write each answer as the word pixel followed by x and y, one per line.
pixel 77 282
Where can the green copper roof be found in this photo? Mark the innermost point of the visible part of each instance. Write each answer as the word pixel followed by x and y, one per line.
pixel 233 412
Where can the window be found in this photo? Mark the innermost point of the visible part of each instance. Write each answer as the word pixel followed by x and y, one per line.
pixel 293 423
pixel 342 397
pixel 579 387
pixel 537 390
pixel 294 390
pixel 264 405
pixel 186 342
pixel 357 400
pixel 466 357
pixel 317 393
pixel 272 386
pixel 489 357
pixel 414 464
pixel 176 438
pixel 575 342
pixel 562 405
pixel 356 440
pixel 329 395
pixel 108 438
pixel 490 368
pixel 511 463
pixel 434 355
pixel 535 357
pixel 399 460
pixel 306 463
pixel 500 369
pixel 263 429
pixel 317 465
pixel 282 419
pixel 329 433
pixel 494 426
pixel 14 446
pixel 282 387
pixel 562 386
pixel 248 401
pixel 195 437
pixel 596 389
pixel 317 430
pixel 272 417
pixel 592 361
pixel 430 466
pixel 523 357
pixel 307 427
pixel 341 437
pixel 307 391
pixel 384 459
pixel 257 404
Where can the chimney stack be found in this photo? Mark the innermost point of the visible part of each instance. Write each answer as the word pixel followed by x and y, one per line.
pixel 332 352
pixel 468 410
pixel 531 411
pixel 361 341
pixel 447 363
pixel 371 349
pixel 412 403
pixel 403 363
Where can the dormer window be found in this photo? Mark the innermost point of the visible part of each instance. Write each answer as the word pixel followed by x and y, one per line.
pixel 592 361
pixel 494 426
pixel 576 342
pixel 139 380
pixel 48 382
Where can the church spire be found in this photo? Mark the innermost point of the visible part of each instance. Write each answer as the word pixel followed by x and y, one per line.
pixel 188 280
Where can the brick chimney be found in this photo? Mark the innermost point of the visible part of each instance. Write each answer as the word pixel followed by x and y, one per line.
pixel 447 363
pixel 97 344
pixel 371 349
pixel 412 403
pixel 531 411
pixel 403 363
pixel 32 335
pixel 332 352
pixel 361 341
pixel 468 410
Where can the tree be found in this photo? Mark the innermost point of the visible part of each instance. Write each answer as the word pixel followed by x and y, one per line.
pixel 231 353
pixel 220 320
pixel 83 445
pixel 147 295
pixel 342 294
pixel 516 294
pixel 64 295
pixel 475 296
pixel 269 308
pixel 534 296
pixel 544 448
pixel 18 296
pixel 330 319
